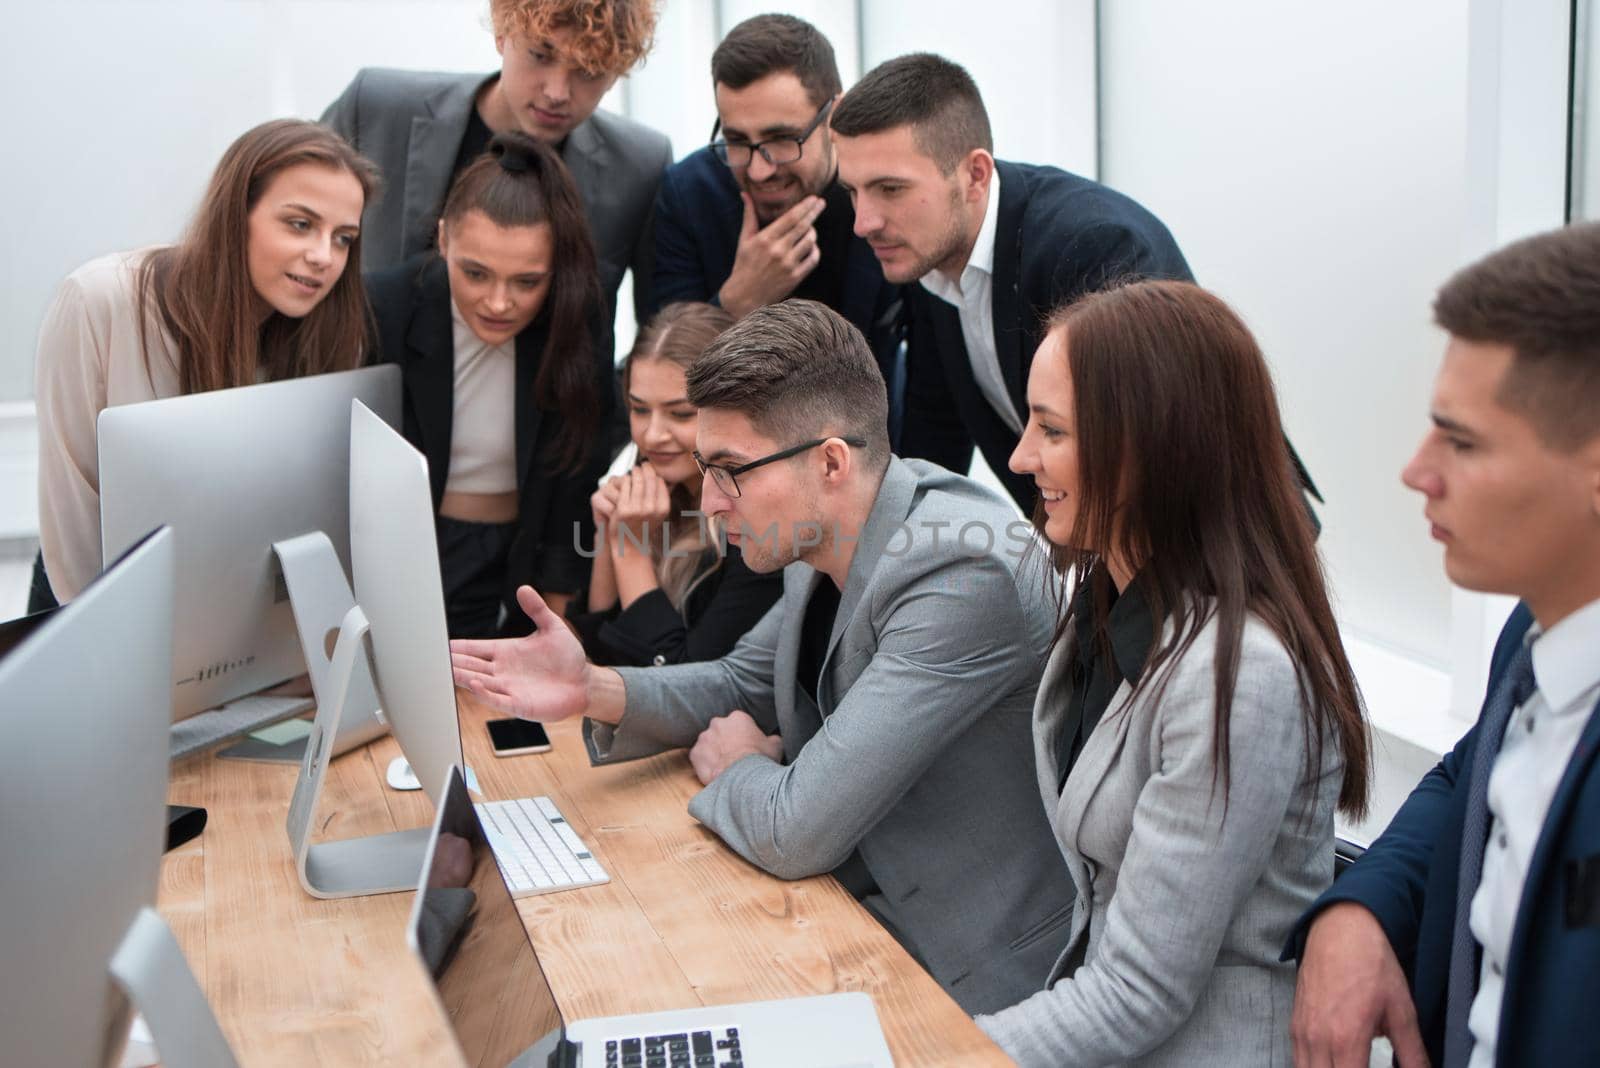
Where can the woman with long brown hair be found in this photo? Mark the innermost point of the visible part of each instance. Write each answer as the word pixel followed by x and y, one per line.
pixel 663 588
pixel 503 342
pixel 264 285
pixel 1198 722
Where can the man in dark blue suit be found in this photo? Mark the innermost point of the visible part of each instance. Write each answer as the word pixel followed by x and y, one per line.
pixel 1470 932
pixel 995 247
pixel 756 216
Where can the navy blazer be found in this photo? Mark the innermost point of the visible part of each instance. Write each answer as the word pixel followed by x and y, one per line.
pixel 697 218
pixel 1057 236
pixel 1408 879
pixel 411 306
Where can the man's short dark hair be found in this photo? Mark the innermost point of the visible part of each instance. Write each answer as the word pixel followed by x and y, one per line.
pixel 768 44
pixel 797 370
pixel 1540 296
pixel 937 98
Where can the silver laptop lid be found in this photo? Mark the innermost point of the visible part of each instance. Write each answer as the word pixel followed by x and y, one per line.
pixel 84 700
pixel 467 934
pixel 231 472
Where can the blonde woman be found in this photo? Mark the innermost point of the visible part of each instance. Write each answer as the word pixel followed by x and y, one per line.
pixel 663 589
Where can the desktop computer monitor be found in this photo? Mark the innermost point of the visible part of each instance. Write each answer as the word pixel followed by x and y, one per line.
pixel 85 697
pixel 395 565
pixel 231 472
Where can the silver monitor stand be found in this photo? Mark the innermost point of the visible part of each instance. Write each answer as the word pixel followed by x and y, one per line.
pixel 320 597
pixel 394 563
pixel 152 971
pixel 353 867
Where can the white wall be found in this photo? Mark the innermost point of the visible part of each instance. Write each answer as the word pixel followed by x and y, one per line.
pixel 1586 105
pixel 1325 169
pixel 1313 170
pixel 672 90
pixel 119 111
pixel 1033 60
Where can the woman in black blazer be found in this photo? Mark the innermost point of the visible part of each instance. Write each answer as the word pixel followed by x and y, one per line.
pixel 663 588
pixel 502 340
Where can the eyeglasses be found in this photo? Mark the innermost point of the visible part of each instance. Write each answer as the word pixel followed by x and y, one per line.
pixel 775 150
pixel 727 478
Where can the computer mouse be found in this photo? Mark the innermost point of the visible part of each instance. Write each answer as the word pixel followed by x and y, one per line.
pixel 400 775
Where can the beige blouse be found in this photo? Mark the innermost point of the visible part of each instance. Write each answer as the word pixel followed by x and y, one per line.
pixel 483 457
pixel 89 358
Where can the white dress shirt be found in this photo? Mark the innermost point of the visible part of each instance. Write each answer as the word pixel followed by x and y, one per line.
pixel 483 423
pixel 1540 738
pixel 973 297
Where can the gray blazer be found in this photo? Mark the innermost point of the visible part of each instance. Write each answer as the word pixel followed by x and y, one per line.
pixel 1172 957
pixel 919 753
pixel 410 124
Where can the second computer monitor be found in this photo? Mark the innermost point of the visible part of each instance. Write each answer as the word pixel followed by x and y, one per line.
pixel 395 566
pixel 231 472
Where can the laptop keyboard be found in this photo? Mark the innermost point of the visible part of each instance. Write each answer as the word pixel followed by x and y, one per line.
pixel 686 1049
pixel 537 849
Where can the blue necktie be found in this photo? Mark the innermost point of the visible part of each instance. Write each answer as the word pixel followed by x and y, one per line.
pixel 1516 686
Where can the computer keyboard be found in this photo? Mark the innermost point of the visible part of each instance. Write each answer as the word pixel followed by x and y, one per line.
pixel 237 717
pixel 696 1049
pixel 538 850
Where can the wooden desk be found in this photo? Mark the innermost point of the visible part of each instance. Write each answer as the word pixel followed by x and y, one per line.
pixel 684 921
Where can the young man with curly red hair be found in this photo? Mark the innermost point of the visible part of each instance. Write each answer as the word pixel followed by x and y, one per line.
pixel 557 59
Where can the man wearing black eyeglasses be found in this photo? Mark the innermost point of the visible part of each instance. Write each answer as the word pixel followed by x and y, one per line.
pixel 756 216
pixel 876 723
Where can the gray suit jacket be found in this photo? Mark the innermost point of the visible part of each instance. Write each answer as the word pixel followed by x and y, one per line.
pixel 919 753
pixel 1181 915
pixel 410 124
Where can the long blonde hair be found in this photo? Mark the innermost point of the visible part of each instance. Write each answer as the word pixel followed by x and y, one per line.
pixel 679 333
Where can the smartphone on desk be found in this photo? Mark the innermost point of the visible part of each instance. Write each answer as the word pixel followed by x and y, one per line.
pixel 513 737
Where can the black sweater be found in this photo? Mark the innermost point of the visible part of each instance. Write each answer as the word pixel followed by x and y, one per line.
pixel 718 612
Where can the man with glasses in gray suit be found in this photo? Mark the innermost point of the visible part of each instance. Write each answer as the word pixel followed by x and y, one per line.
pixel 557 59
pixel 876 723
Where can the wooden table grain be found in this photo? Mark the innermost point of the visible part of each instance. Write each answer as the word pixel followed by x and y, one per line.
pixel 684 921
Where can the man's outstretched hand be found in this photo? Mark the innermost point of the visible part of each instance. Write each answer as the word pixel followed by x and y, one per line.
pixel 543 676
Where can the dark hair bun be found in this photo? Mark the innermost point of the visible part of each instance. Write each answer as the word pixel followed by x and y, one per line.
pixel 516 152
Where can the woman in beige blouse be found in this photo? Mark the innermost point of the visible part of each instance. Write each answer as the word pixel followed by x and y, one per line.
pixel 265 285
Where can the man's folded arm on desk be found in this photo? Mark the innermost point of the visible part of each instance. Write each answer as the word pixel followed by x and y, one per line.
pixel 667 707
pixel 951 647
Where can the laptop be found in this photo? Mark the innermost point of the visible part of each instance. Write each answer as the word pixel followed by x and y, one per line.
pixel 486 978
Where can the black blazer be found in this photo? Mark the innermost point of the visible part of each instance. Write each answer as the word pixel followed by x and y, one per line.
pixel 411 306
pixel 719 611
pixel 1057 236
